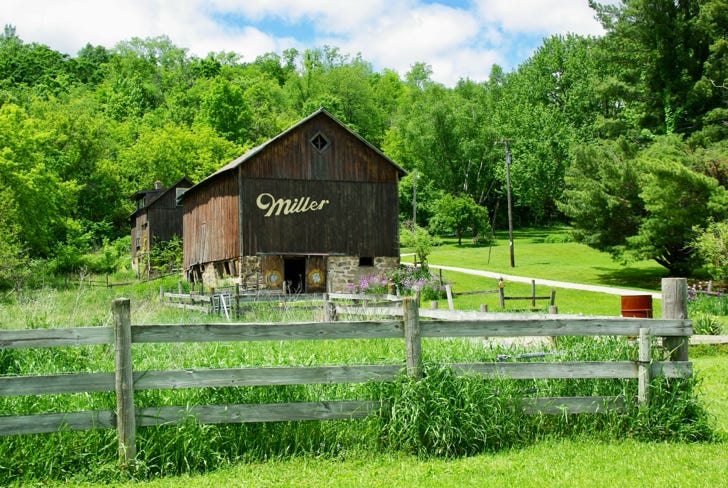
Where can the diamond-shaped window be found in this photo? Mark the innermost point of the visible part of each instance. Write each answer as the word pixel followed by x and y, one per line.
pixel 320 142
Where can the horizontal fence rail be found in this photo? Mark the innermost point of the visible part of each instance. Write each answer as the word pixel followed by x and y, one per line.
pixel 410 327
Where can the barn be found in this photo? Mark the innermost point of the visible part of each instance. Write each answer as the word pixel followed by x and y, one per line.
pixel 156 218
pixel 310 210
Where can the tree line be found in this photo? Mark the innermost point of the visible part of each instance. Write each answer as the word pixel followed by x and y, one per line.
pixel 623 136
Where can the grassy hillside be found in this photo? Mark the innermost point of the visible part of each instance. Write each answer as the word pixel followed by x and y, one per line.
pixel 550 254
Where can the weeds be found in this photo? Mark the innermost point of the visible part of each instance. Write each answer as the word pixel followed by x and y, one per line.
pixel 709 312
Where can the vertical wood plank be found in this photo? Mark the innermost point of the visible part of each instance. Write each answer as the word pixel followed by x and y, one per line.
pixel 448 292
pixel 675 306
pixel 412 337
pixel 533 293
pixel 125 418
pixel 643 368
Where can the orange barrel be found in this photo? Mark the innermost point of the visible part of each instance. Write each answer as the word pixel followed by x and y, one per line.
pixel 637 306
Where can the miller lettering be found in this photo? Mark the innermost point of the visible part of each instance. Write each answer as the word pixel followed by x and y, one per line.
pixel 275 206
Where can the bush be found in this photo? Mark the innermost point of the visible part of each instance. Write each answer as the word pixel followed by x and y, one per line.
pixel 712 246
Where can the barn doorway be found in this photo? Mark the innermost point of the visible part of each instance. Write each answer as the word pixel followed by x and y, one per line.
pixel 294 274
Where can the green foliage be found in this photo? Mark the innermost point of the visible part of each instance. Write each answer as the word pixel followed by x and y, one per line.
pixel 166 256
pixel 442 414
pixel 458 214
pixel 711 245
pixel 225 109
pixel 417 238
pixel 676 198
pixel 643 205
pixel 708 310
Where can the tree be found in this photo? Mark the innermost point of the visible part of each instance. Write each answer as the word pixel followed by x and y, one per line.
pixel 601 197
pixel 13 258
pixel 676 198
pixel 225 109
pixel 642 205
pixel 41 202
pixel 458 214
pixel 665 52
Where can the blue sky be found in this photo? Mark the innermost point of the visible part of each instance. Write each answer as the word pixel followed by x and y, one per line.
pixel 458 38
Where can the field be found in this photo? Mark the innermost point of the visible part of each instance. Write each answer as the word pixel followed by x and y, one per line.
pixel 642 451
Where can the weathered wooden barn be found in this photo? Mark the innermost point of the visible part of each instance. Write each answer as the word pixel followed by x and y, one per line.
pixel 157 217
pixel 311 210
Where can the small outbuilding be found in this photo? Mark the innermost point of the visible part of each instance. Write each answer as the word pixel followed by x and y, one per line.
pixel 156 218
pixel 311 210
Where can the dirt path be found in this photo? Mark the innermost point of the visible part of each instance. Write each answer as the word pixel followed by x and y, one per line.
pixel 552 283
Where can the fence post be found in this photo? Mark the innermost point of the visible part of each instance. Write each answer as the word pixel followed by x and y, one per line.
pixel 533 293
pixel 412 338
pixel 329 309
pixel 237 301
pixel 643 368
pixel 675 306
pixel 501 296
pixel 124 383
pixel 448 292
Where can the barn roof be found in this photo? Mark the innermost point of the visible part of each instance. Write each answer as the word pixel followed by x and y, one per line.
pixel 255 150
pixel 157 194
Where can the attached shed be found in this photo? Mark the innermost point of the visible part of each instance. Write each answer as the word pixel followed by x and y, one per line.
pixel 157 218
pixel 312 210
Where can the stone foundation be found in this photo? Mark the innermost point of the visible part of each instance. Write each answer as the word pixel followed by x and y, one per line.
pixel 342 272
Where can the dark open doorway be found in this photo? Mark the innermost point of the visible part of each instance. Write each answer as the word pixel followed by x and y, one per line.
pixel 294 274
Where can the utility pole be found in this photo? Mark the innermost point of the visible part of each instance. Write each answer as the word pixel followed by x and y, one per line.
pixel 508 195
pixel 414 197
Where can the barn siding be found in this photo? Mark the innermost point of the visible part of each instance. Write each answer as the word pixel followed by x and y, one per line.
pixel 210 223
pixel 357 219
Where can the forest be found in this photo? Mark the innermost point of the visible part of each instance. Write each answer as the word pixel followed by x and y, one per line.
pixel 622 137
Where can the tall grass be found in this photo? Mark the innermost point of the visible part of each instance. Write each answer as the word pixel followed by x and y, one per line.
pixel 439 415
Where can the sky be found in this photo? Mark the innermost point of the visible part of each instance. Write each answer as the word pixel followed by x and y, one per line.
pixel 457 38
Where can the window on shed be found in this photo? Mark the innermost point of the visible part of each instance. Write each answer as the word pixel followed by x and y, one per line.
pixel 366 261
pixel 320 142
pixel 178 195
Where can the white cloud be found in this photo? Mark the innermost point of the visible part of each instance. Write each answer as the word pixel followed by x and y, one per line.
pixel 457 42
pixel 542 16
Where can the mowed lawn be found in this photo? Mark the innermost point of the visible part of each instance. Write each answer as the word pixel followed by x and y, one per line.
pixel 549 254
pixel 546 254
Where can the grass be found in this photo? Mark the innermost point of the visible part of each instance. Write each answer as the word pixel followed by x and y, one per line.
pixel 651 448
pixel 582 460
pixel 568 301
pixel 549 254
pixel 549 464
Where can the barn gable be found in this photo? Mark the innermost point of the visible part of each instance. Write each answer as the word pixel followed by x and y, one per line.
pixel 315 192
pixel 157 217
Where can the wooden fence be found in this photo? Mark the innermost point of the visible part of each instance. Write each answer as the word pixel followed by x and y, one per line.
pixel 674 329
pixel 230 302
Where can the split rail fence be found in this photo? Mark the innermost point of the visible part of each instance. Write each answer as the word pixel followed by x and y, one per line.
pixel 674 328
